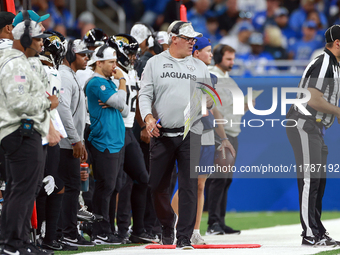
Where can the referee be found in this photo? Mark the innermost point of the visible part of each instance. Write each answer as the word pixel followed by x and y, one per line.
pixel 321 78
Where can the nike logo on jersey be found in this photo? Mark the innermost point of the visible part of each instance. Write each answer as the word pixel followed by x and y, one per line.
pixel 309 241
pixel 54 74
pixel 178 75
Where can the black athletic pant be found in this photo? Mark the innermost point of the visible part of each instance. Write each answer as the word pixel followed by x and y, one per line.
pixel 69 172
pixel 218 192
pixel 48 207
pixel 151 223
pixel 124 208
pixel 133 194
pixel 24 166
pixel 105 171
pixel 164 151
pixel 309 150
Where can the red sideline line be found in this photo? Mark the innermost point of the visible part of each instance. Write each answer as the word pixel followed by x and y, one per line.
pixel 208 246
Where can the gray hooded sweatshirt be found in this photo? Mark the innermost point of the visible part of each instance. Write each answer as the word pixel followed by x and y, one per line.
pixel 165 89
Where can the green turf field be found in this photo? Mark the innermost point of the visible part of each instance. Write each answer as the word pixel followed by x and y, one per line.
pixel 242 221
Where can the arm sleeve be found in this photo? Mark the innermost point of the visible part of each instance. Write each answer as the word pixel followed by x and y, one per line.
pixel 147 90
pixel 117 100
pixel 17 89
pixel 65 112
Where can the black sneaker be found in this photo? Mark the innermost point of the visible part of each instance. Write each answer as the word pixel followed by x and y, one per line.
pixel 78 241
pixel 229 231
pixel 144 237
pixel 107 239
pixel 21 251
pixel 325 242
pixel 214 229
pixel 84 215
pixel 330 239
pixel 183 243
pixel 33 249
pixel 57 246
pixel 309 240
pixel 168 233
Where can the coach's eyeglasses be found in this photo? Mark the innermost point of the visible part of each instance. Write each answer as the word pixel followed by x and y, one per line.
pixel 188 39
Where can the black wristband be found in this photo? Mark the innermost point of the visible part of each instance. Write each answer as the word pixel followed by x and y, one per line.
pixel 143 127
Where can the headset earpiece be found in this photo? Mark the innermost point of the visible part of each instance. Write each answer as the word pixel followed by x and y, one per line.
pixel 100 53
pixel 70 55
pixel 157 47
pixel 217 54
pixel 26 39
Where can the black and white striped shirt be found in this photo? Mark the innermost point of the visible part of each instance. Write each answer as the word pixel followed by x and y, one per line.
pixel 323 74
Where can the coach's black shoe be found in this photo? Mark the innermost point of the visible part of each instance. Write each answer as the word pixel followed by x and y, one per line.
pixel 309 240
pixel 183 243
pixel 214 229
pixel 229 231
pixel 143 238
pixel 330 239
pixel 168 233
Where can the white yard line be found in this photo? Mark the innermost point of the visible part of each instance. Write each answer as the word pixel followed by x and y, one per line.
pixel 279 240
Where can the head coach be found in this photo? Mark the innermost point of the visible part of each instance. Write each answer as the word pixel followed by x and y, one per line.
pixel 164 95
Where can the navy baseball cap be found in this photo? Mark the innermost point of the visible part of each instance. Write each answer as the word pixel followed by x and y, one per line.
pixel 310 24
pixel 332 33
pixel 201 43
pixel 33 16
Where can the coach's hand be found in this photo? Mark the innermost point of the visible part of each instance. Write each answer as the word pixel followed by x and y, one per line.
pixel 151 126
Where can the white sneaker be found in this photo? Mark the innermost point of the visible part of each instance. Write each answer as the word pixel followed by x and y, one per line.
pixel 196 238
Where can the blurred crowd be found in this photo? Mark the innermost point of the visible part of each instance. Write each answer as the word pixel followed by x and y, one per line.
pixel 261 30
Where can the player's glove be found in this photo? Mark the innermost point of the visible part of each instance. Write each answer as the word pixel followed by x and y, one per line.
pixel 49 184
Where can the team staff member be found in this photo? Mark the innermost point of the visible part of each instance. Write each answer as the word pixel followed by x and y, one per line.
pixel 48 207
pixel 107 134
pixel 164 95
pixel 24 119
pixel 6 42
pixel 72 149
pixel 224 56
pixel 132 196
pixel 321 78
